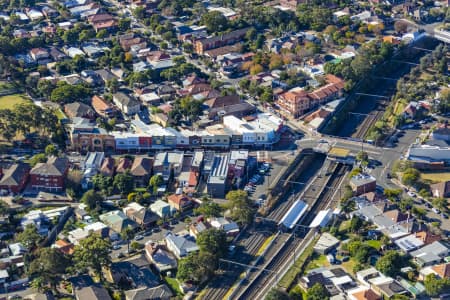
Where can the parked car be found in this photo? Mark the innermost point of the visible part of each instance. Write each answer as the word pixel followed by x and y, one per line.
pixel 435 210
pixel 138 237
pixel 116 247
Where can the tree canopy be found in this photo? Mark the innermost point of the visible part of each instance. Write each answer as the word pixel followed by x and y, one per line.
pixel 240 206
pixel 92 252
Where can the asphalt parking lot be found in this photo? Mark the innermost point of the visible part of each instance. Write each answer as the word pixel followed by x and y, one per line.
pixel 279 160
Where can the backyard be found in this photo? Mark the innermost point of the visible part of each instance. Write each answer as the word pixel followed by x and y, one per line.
pixel 8 102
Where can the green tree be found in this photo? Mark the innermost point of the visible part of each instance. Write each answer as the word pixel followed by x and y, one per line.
pixel 101 182
pixel 155 181
pixel 355 224
pixel 188 269
pixel 124 182
pixel 92 252
pixel 317 292
pixel 51 150
pixel 411 176
pixel 240 206
pixel 213 241
pixel 139 13
pixel 276 294
pixel 362 156
pixel 124 24
pixel 214 21
pixel 29 237
pixel 390 263
pixel 92 199
pixel 434 286
pixel 209 209
pixel 127 234
pixel 49 265
pixel 37 158
pixel 440 203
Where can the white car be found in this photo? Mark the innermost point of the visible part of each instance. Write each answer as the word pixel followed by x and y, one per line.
pixel 138 237
pixel 411 194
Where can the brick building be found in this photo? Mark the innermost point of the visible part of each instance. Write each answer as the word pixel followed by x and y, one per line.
pixel 50 175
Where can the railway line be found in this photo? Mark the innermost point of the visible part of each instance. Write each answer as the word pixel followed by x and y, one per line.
pixel 259 282
pixel 251 241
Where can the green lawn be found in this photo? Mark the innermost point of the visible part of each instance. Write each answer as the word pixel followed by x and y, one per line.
pixel 174 285
pixel 317 262
pixel 8 102
pixel 349 265
pixel 374 244
pixel 436 176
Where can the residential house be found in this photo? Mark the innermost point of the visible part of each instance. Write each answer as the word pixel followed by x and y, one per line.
pixel 64 246
pixel 14 178
pixel 107 168
pixel 127 104
pixel 103 21
pixel 440 189
pixel 159 255
pixel 80 110
pixel 102 107
pixel 161 292
pixel 124 165
pixel 196 228
pixel 180 246
pixel 84 288
pixel 135 271
pixel 50 175
pixel 139 214
pixel 427 237
pixel 231 228
pixel 106 75
pixel 57 55
pixel 179 202
pixel 39 54
pixel 117 220
pixel 430 254
pixel 363 293
pixel 161 208
pixel 141 169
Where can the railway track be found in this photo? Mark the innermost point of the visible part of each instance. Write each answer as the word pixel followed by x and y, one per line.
pixel 252 241
pixel 260 285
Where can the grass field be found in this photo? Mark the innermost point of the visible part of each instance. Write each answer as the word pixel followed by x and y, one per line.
pixel 174 285
pixel 8 102
pixel 374 243
pixel 436 177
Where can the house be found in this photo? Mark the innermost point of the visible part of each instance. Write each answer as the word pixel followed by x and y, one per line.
pixel 124 165
pixel 57 55
pixel 161 292
pixel 363 293
pixel 103 21
pixel 141 169
pixel 107 168
pixel 50 175
pixel 363 183
pixel 440 270
pixel 162 259
pixel 180 202
pixel 84 288
pixel 196 228
pixel 78 109
pixel 64 246
pixel 180 246
pixel 230 227
pixel 140 215
pixel 39 54
pixel 14 178
pixel 117 220
pixel 161 208
pixel 126 103
pixel 430 254
pixel 134 271
pixel 441 189
pixel 427 237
